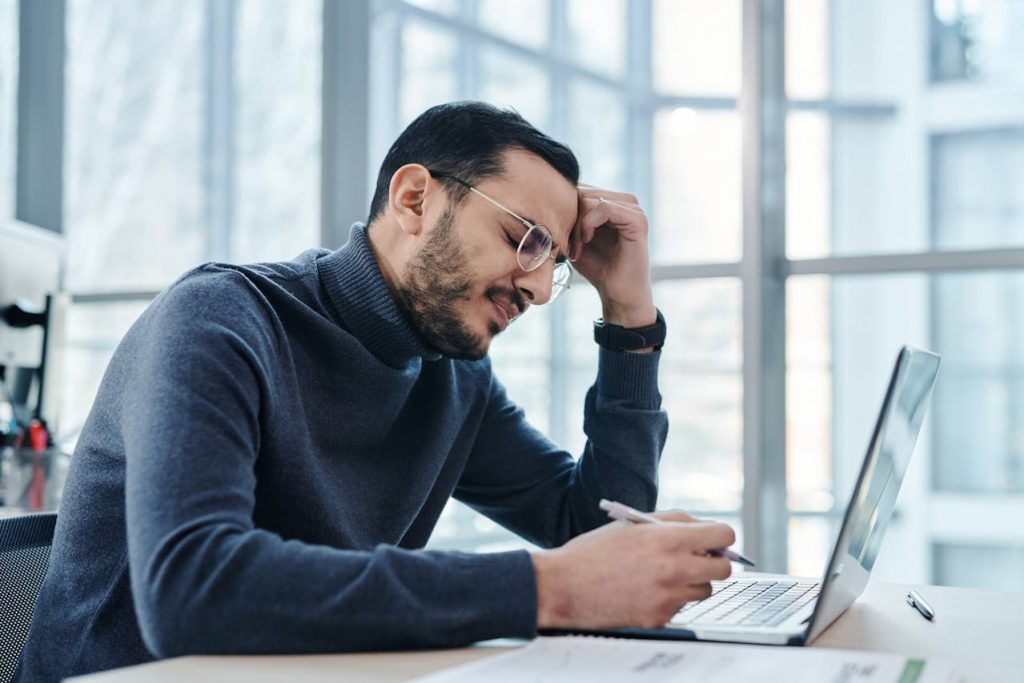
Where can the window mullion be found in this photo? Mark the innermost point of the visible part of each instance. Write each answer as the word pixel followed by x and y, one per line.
pixel 345 118
pixel 219 128
pixel 39 175
pixel 763 111
pixel 559 360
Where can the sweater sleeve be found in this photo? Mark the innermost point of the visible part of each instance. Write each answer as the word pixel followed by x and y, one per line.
pixel 204 579
pixel 520 479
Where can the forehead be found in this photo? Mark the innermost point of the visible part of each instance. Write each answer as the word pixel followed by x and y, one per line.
pixel 532 188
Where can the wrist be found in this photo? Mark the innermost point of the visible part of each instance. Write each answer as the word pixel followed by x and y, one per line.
pixel 635 309
pixel 552 600
pixel 629 316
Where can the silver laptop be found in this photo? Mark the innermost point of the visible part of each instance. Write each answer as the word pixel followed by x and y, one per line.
pixel 784 610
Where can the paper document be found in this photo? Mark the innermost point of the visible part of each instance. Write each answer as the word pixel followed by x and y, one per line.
pixel 607 660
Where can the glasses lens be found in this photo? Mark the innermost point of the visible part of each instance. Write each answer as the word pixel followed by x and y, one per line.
pixel 535 248
pixel 560 282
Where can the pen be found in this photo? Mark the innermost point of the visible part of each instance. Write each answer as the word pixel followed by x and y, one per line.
pixel 628 514
pixel 915 600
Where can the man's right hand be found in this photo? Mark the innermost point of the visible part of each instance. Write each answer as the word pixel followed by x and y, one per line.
pixel 623 574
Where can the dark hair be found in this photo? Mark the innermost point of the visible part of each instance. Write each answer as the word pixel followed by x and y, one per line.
pixel 467 140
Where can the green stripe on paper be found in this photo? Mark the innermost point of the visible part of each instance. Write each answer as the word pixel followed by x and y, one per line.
pixel 912 671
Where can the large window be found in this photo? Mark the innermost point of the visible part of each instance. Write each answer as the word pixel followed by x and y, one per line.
pixel 869 204
pixel 193 132
pixel 192 136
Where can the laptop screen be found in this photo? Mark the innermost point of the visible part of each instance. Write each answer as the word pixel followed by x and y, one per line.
pixel 878 485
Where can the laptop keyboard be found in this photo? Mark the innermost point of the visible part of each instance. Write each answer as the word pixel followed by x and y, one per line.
pixel 748 602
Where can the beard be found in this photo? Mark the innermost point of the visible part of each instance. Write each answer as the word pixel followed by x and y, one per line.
pixel 434 283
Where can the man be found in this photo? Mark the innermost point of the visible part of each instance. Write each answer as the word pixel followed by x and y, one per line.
pixel 272 445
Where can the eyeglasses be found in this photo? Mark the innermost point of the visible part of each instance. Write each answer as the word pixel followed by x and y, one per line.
pixel 535 247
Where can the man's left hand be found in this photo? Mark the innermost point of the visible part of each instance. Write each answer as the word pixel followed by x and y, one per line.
pixel 609 248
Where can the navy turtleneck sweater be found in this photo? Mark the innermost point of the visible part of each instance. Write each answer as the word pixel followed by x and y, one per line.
pixel 268 453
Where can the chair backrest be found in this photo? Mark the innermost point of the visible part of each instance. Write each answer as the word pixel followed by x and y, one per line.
pixel 24 555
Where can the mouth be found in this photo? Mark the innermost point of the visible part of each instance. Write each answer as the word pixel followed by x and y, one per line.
pixel 507 312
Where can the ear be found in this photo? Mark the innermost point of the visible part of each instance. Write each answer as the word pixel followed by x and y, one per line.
pixel 407 193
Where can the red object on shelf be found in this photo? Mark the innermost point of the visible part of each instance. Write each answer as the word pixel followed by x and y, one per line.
pixel 37 436
pixel 39 439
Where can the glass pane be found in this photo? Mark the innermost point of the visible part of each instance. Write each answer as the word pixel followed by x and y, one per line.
pixel 597 34
pixel 93 331
pixel 8 104
pixel 807 48
pixel 597 133
pixel 461 528
pixel 507 80
pixel 979 402
pixel 873 49
pixel 808 183
pixel 808 395
pixel 701 385
pixel 277 148
pixel 877 193
pixel 979 189
pixel 980 40
pixel 576 367
pixel 697 186
pixel 428 69
pixel 520 357
pixel 134 214
pixel 810 542
pixel 697 46
pixel 523 21
pixel 843 335
pixel 976 566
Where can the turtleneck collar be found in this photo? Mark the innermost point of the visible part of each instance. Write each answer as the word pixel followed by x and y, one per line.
pixel 355 285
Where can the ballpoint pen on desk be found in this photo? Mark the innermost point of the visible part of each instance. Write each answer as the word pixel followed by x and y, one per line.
pixel 628 514
pixel 915 600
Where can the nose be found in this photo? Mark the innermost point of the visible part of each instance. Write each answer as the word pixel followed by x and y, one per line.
pixel 536 284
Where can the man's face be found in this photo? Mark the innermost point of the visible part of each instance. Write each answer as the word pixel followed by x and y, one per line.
pixel 464 285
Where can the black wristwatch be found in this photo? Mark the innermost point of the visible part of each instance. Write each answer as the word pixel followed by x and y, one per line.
pixel 618 338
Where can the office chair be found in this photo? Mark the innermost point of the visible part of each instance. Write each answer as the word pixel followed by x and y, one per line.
pixel 24 555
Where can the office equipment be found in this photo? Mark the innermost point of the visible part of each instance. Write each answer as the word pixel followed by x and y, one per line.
pixel 785 610
pixel 32 310
pixel 915 600
pixel 625 513
pixel 568 659
pixel 24 556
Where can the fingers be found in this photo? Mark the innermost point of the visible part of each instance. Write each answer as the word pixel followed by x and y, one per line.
pixel 698 536
pixel 717 535
pixel 598 211
pixel 709 568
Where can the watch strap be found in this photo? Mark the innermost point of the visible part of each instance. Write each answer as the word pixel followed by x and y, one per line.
pixel 618 338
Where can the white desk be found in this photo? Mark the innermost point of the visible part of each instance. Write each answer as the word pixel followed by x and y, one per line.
pixel 982 631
